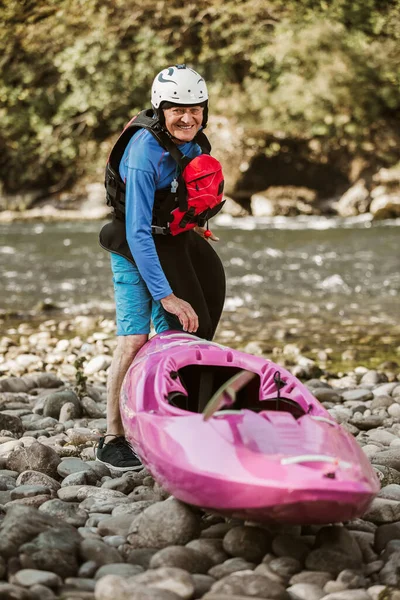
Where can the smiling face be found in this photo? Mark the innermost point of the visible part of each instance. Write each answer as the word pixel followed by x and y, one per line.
pixel 183 122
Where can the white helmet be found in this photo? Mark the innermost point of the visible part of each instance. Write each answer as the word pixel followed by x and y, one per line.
pixel 179 85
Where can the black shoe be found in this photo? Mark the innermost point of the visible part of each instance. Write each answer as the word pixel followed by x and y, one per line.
pixel 118 455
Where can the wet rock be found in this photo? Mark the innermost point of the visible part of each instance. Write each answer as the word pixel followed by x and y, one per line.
pixel 53 402
pixel 246 583
pixel 29 577
pixel 250 543
pixel 162 524
pixel 181 557
pixel 37 457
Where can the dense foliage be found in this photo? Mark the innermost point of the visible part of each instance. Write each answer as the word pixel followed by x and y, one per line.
pixel 327 71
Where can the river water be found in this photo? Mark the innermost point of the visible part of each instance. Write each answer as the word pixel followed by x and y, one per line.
pixel 326 280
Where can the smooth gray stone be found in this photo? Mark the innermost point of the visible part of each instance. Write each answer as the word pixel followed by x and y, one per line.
pixel 37 457
pixel 359 395
pixel 383 511
pixel 175 580
pixel 232 565
pixel 239 584
pixel 36 478
pixel 28 491
pixel 85 584
pixel 53 402
pixel 71 465
pixel 305 591
pixel 164 523
pixel 250 543
pixel 99 552
pixel 182 557
pixel 68 512
pixel 390 492
pixel 121 569
pixel 29 577
pixel 54 550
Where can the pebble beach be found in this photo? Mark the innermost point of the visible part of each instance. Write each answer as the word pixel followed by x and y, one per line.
pixel 72 529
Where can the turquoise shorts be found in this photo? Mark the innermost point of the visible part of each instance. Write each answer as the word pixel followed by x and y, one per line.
pixel 135 308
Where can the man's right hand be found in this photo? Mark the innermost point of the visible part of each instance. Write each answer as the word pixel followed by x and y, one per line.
pixel 183 310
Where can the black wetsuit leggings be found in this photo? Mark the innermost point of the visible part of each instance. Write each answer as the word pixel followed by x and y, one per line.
pixel 195 274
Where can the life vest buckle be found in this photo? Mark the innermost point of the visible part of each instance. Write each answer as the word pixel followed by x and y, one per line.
pixel 156 229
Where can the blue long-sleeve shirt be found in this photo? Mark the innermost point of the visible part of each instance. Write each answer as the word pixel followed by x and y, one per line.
pixel 146 167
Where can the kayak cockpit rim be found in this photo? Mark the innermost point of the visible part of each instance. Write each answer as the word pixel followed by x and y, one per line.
pixel 208 388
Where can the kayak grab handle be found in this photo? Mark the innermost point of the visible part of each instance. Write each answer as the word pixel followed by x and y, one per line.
pixel 302 458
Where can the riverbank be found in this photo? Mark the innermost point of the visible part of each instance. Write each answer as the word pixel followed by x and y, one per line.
pixel 309 348
pixel 71 529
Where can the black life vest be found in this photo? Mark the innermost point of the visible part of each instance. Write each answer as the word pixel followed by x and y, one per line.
pixel 194 196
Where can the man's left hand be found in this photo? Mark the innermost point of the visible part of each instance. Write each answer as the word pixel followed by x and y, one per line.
pixel 201 231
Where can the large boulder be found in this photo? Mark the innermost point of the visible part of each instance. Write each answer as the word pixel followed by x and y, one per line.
pixel 386 206
pixel 354 201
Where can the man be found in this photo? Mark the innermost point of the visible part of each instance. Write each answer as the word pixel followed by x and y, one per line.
pixel 178 281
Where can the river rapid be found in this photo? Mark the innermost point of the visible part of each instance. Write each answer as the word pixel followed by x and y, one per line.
pixel 329 285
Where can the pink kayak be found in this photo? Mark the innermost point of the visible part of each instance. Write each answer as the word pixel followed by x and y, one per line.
pixel 239 435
